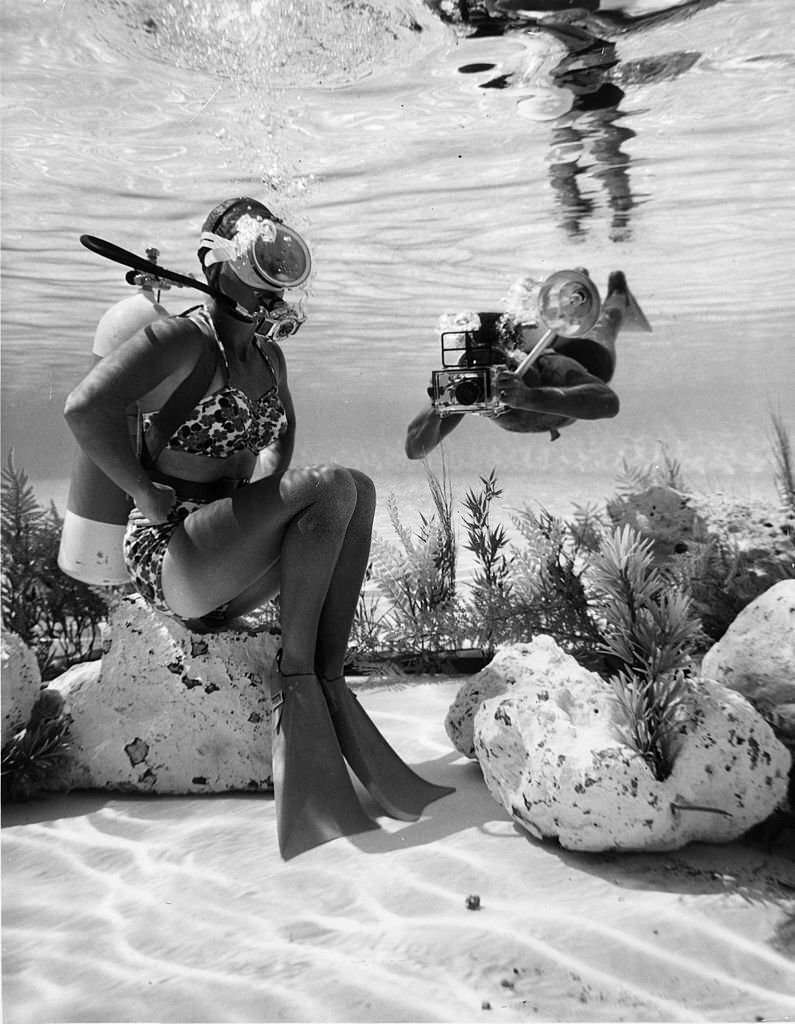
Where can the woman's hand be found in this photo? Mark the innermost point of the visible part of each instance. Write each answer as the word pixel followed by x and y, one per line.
pixel 155 502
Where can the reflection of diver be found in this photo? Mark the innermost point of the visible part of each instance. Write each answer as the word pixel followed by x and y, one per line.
pixel 569 381
pixel 593 75
pixel 593 118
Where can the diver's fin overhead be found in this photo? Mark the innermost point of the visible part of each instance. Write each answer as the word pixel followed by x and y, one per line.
pixel 314 794
pixel 387 778
pixel 634 319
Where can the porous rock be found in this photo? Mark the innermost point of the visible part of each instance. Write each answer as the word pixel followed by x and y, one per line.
pixel 756 654
pixel 21 683
pixel 662 515
pixel 168 710
pixel 519 661
pixel 554 751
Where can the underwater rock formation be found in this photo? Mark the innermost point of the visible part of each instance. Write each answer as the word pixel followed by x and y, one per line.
pixel 552 742
pixel 494 679
pixel 662 515
pixel 21 683
pixel 168 710
pixel 756 657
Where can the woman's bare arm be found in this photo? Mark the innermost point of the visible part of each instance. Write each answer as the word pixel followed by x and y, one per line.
pixel 153 361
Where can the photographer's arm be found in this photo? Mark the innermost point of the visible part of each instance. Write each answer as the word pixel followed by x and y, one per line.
pixel 427 429
pixel 578 395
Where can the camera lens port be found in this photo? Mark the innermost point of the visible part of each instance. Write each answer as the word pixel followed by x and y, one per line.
pixel 467 392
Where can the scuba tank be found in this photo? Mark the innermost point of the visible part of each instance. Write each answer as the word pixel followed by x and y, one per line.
pixel 96 509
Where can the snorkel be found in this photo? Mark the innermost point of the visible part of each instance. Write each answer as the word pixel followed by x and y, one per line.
pixel 262 252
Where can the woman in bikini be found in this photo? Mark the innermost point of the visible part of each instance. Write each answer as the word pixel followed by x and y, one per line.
pixel 206 543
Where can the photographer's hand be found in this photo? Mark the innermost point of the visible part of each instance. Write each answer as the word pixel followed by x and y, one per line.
pixel 511 390
pixel 584 397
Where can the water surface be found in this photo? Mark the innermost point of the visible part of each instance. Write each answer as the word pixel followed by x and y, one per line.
pixel 428 164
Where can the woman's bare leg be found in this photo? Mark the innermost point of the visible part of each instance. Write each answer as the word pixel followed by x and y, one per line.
pixel 296 523
pixel 339 608
pixel 300 525
pixel 312 569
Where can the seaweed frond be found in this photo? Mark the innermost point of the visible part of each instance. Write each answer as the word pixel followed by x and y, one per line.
pixel 784 471
pixel 32 760
pixel 656 709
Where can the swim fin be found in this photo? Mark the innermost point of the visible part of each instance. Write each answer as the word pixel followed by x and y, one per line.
pixel 634 319
pixel 388 779
pixel 314 794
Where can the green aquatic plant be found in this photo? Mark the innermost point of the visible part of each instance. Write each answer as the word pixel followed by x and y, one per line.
pixel 441 492
pixel 656 710
pixel 723 578
pixel 649 625
pixel 369 627
pixel 59 618
pixel 548 590
pixel 650 633
pixel 417 579
pixel 665 471
pixel 784 474
pixel 491 592
pixel 32 759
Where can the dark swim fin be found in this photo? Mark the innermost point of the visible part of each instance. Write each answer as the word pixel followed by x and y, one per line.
pixel 388 779
pixel 314 794
pixel 634 319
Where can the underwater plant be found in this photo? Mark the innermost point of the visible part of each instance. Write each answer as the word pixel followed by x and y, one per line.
pixel 656 708
pixel 548 585
pixel 32 759
pixel 58 617
pixel 649 635
pixel 649 626
pixel 491 591
pixel 417 579
pixel 784 473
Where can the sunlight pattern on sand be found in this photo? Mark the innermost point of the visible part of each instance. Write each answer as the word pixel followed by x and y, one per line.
pixel 177 909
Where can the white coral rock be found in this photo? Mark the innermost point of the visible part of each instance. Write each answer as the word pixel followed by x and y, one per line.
pixel 553 750
pixel 21 683
pixel 756 654
pixel 170 711
pixel 510 664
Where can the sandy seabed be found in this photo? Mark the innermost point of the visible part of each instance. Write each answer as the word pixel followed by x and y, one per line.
pixel 125 908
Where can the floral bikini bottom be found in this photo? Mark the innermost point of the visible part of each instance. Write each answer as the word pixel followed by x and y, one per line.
pixel 145 546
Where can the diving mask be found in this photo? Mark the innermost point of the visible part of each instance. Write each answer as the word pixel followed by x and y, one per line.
pixel 264 254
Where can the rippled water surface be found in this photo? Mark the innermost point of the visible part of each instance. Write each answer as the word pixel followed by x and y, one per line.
pixel 428 164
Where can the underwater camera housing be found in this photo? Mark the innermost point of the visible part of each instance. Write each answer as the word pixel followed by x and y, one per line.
pixel 473 352
pixel 471 359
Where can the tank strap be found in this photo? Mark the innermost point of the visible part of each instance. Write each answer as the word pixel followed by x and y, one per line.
pixel 184 399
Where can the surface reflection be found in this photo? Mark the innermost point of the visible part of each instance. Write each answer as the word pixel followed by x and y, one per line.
pixel 587 137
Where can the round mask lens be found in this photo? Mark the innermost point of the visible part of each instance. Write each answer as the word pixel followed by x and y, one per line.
pixel 280 258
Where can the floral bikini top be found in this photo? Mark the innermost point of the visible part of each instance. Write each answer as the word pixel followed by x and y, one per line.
pixel 227 420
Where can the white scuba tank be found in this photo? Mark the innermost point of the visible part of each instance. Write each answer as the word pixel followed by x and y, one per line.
pixel 96 509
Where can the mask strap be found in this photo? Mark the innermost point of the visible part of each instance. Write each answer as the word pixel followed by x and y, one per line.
pixel 221 249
